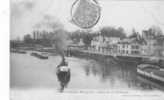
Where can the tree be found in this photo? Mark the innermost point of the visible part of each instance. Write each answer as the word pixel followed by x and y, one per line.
pixel 81 34
pixel 134 34
pixel 113 32
pixel 87 38
pixel 28 39
pixel 75 36
pixel 136 37
pixel 156 30
pixel 157 34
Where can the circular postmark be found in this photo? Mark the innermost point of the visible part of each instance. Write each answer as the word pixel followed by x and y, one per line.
pixel 85 13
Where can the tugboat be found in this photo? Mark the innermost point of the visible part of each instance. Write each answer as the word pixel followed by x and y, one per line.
pixel 151 72
pixel 63 74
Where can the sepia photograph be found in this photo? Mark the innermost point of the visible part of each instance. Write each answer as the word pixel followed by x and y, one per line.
pixel 86 46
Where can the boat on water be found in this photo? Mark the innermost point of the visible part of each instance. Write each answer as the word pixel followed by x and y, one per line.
pixel 152 72
pixel 149 84
pixel 41 56
pixel 18 51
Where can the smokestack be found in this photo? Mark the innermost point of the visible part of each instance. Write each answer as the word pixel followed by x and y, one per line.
pixel 60 41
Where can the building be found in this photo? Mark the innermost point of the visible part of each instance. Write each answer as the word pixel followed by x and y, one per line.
pixel 81 43
pixel 104 44
pixel 147 34
pixel 37 35
pixel 98 43
pixel 128 47
pixel 150 47
pixel 114 45
pixel 41 34
pixel 124 48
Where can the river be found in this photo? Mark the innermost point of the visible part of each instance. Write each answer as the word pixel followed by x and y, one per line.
pixel 28 72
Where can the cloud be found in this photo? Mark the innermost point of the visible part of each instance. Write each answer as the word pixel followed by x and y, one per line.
pixel 27 15
pixel 48 22
pixel 21 7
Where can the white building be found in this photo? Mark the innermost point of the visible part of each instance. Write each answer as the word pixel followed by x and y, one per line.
pixel 97 43
pixel 101 43
pixel 115 45
pixel 124 48
pixel 128 47
pixel 114 40
pixel 81 43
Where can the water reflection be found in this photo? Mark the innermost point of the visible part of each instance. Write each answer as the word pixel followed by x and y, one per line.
pixel 30 72
pixel 116 74
pixel 63 77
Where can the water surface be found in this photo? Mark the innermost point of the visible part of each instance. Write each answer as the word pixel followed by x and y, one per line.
pixel 30 72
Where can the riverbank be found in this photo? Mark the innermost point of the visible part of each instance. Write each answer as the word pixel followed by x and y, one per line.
pixel 28 72
pixel 137 59
pixel 103 56
pixel 18 51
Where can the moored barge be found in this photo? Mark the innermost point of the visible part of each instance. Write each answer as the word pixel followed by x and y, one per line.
pixel 152 72
pixel 41 56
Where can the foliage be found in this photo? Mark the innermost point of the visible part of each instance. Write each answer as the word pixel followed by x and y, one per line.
pixel 113 32
pixel 87 38
pixel 28 39
pixel 157 34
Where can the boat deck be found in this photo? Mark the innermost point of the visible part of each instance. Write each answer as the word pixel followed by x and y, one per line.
pixel 155 71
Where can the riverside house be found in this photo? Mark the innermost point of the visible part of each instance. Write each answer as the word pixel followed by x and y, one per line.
pixel 115 46
pixel 104 44
pixel 150 47
pixel 128 47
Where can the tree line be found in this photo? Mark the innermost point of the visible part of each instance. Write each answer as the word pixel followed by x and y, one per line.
pixel 87 35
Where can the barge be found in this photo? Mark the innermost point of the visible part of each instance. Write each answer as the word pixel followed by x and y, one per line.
pixel 18 51
pixel 152 72
pixel 41 56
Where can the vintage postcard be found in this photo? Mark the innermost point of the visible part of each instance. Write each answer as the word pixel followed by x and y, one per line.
pixel 66 47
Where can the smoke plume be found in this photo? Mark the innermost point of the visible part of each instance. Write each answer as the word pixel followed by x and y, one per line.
pixel 60 41
pixel 58 35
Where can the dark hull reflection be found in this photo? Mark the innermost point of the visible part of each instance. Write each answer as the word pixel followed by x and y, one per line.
pixel 63 78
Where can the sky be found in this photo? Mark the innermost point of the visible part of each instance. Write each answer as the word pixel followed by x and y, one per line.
pixel 29 15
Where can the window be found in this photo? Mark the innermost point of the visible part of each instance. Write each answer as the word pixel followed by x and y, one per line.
pixel 127 52
pixel 123 46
